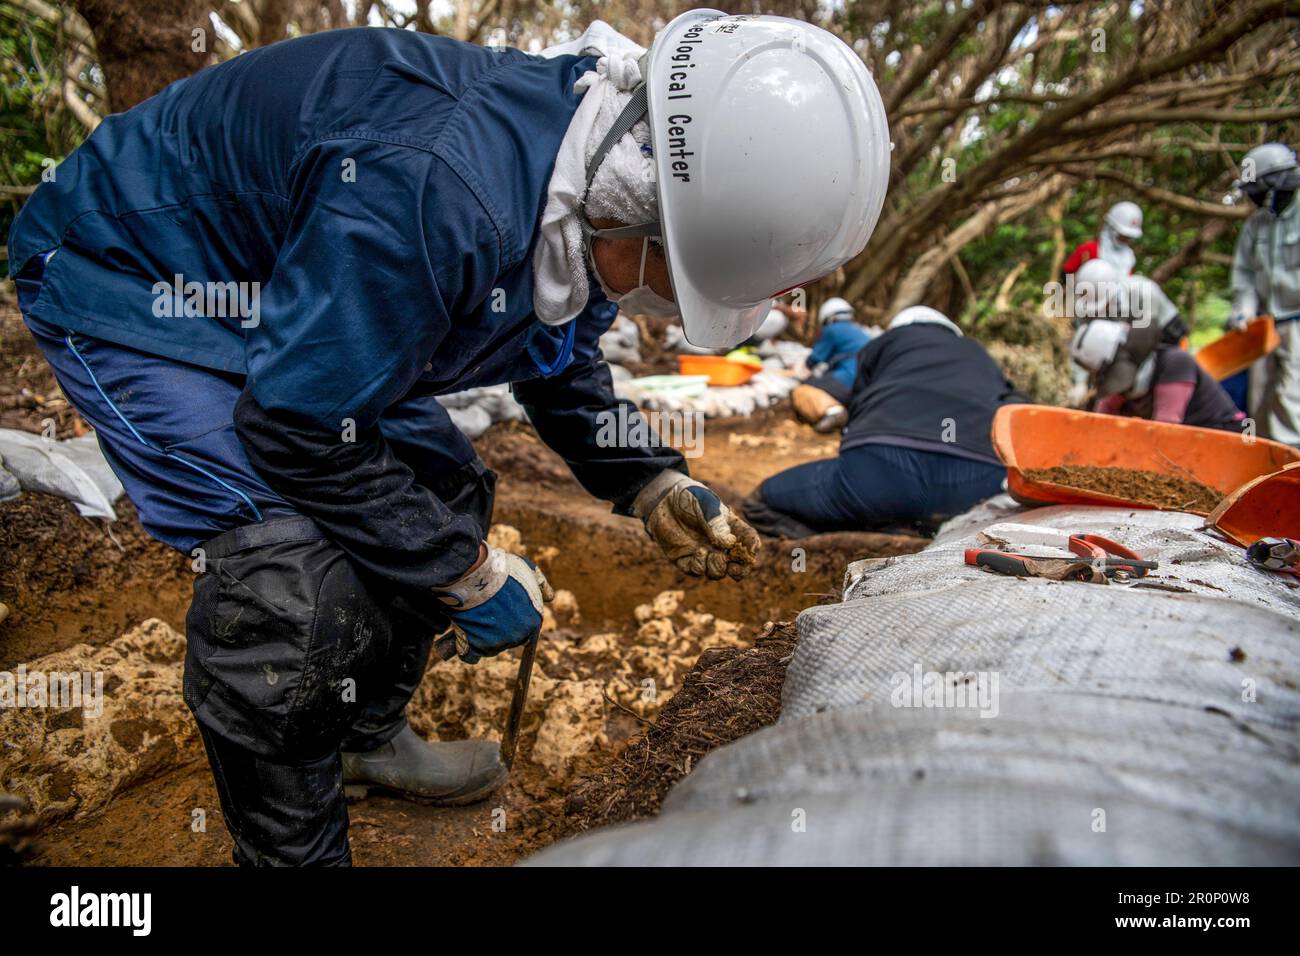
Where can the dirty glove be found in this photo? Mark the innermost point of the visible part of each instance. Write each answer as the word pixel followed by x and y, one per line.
pixel 696 531
pixel 497 605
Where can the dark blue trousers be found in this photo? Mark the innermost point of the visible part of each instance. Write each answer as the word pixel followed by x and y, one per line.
pixel 870 487
pixel 282 622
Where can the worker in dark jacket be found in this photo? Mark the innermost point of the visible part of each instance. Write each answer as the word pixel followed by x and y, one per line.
pixel 916 449
pixel 254 284
pixel 1137 374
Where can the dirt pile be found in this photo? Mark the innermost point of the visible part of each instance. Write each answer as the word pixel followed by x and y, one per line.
pixel 1145 487
pixel 1032 349
pixel 591 689
pixel 731 692
pixel 70 580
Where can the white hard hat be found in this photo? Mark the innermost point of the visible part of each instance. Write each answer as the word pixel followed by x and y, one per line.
pixel 923 315
pixel 1096 343
pixel 1264 160
pixel 772 326
pixel 1097 286
pixel 771 150
pixel 835 309
pixel 1126 219
pixel 1114 352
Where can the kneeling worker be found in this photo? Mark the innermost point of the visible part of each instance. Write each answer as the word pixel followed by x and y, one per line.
pixel 916 449
pixel 1137 375
pixel 822 400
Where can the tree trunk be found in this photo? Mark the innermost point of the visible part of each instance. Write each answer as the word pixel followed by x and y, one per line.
pixel 145 44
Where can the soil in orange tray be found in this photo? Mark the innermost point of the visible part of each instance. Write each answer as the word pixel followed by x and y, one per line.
pixel 1143 487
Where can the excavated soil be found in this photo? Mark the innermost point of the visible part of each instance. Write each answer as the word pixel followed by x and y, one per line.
pixel 729 693
pixel 639 666
pixel 1144 487
pixel 68 580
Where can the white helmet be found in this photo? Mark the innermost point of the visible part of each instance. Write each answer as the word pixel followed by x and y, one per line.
pixel 771 153
pixel 923 315
pixel 772 326
pixel 835 309
pixel 1096 343
pixel 1126 219
pixel 1265 160
pixel 1097 286
pixel 1114 352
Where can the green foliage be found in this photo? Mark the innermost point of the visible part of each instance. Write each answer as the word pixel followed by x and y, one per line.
pixel 33 126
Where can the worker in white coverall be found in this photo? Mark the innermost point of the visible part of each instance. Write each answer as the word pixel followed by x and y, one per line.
pixel 1266 281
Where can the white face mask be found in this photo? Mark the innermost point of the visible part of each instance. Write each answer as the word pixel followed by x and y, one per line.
pixel 642 300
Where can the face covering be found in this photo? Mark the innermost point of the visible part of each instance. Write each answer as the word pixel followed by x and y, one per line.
pixel 1274 192
pixel 642 300
pixel 1117 253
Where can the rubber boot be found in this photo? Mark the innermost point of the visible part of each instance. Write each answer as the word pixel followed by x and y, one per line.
pixel 833 419
pixel 449 773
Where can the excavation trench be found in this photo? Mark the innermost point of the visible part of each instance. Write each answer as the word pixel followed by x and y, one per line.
pixel 131 786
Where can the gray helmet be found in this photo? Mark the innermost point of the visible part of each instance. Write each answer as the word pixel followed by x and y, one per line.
pixel 1264 162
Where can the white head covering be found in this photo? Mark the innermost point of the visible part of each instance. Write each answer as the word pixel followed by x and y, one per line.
pixel 923 315
pixel 623 188
pixel 1117 253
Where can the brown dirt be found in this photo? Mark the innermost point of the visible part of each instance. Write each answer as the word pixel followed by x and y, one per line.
pixel 730 692
pixel 70 580
pixel 1142 487
pixel 29 395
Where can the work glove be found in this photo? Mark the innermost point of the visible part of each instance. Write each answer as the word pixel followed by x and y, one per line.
pixel 696 531
pixel 497 605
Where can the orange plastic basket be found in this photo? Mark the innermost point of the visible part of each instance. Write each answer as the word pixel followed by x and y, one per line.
pixel 720 369
pixel 1035 437
pixel 1237 349
pixel 1268 507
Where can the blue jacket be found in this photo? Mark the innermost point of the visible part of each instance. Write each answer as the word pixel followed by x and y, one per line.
pixel 381 186
pixel 838 346
pixel 373 195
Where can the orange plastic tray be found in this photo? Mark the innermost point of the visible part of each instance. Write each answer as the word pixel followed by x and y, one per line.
pixel 1033 437
pixel 1268 507
pixel 720 369
pixel 1238 349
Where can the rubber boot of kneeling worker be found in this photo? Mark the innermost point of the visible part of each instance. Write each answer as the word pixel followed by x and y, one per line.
pixel 821 400
pixel 381 229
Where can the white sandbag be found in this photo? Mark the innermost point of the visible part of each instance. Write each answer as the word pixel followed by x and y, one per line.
pixel 497 402
pixel 9 485
pixel 74 469
pixel 675 341
pixel 946 715
pixel 473 421
pixel 621 341
pixel 783 353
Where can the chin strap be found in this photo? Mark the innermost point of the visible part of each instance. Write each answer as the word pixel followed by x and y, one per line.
pixel 637 109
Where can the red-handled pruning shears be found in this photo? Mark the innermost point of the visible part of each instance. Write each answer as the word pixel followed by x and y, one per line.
pixel 1090 555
